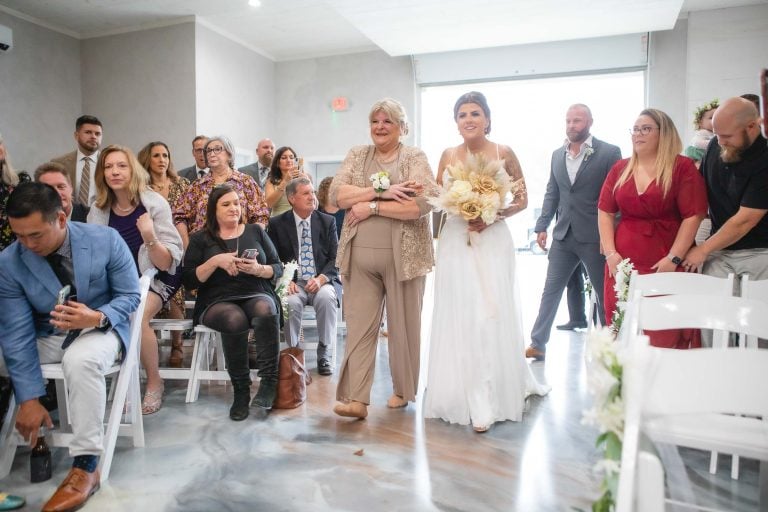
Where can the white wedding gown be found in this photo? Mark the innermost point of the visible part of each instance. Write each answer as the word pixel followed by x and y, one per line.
pixel 477 367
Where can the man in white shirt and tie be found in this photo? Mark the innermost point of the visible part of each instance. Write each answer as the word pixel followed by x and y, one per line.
pixel 308 237
pixel 198 152
pixel 259 170
pixel 81 163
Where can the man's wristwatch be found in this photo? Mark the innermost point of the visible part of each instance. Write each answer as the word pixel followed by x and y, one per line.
pixel 374 206
pixel 674 259
pixel 104 322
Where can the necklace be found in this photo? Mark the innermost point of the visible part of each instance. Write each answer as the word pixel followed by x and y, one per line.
pixel 230 237
pixel 217 182
pixel 126 210
pixel 385 159
pixel 159 187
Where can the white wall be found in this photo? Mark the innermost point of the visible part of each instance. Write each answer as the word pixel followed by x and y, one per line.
pixel 39 93
pixel 235 90
pixel 726 50
pixel 141 85
pixel 304 90
pixel 666 76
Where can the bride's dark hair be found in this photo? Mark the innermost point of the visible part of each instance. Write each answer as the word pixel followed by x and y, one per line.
pixel 477 98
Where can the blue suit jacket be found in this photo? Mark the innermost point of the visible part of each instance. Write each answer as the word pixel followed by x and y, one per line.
pixel 105 278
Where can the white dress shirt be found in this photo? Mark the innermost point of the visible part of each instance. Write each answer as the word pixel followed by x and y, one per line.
pixel 572 163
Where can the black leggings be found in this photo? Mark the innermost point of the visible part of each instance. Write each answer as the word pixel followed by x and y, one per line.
pixel 235 316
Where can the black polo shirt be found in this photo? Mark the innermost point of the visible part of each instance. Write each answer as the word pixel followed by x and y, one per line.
pixel 732 185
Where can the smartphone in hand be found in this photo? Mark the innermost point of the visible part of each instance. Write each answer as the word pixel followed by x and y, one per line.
pixel 250 254
pixel 63 295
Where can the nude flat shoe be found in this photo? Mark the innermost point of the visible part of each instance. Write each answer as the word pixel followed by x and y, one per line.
pixel 396 402
pixel 352 410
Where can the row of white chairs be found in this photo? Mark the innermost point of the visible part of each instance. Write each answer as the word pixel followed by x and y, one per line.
pixel 705 399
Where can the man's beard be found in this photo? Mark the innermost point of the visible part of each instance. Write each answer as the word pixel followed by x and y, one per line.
pixel 578 136
pixel 733 154
pixel 266 161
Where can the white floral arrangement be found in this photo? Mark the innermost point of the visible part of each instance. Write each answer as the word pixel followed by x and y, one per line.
pixel 588 151
pixel 380 181
pixel 475 189
pixel 604 380
pixel 289 269
pixel 621 287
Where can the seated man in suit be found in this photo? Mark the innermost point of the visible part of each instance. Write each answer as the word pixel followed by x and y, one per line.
pixel 55 175
pixel 309 237
pixel 198 170
pixel 86 334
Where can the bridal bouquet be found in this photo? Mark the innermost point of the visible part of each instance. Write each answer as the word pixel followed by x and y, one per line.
pixel 475 189
pixel 289 270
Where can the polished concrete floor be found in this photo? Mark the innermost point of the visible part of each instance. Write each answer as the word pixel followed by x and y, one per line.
pixel 308 459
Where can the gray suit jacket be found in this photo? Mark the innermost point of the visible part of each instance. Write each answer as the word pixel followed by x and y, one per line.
pixel 188 172
pixel 576 205
pixel 252 170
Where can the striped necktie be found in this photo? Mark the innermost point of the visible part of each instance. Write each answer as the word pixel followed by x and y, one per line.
pixel 85 182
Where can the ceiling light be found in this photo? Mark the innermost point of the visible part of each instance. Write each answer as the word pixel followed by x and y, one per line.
pixel 254 3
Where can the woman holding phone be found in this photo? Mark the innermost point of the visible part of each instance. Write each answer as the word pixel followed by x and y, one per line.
pixel 231 264
pixel 284 169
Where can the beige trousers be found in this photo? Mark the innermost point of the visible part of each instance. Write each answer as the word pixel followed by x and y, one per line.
pixel 371 280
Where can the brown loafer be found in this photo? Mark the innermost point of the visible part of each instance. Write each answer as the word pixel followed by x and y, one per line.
pixel 352 410
pixel 74 491
pixel 535 353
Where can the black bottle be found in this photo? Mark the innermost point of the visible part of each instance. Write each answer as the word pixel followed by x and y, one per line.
pixel 40 460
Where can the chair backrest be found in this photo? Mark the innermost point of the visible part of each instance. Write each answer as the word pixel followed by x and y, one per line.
pixel 137 316
pixel 673 283
pixel 756 290
pixel 663 382
pixel 684 311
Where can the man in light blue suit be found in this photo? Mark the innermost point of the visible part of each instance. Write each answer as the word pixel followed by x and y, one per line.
pixel 86 334
pixel 578 171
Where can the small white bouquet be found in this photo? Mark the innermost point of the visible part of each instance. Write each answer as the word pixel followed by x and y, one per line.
pixel 621 287
pixel 289 270
pixel 380 181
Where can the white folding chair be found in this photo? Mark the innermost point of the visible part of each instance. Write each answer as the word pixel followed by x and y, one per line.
pixel 207 343
pixel 756 290
pixel 125 393
pixel 311 321
pixel 163 325
pixel 701 399
pixel 673 283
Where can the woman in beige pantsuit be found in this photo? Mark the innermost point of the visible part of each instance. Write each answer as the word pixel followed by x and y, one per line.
pixel 385 252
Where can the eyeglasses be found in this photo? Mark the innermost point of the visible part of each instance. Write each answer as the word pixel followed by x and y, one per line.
pixel 215 151
pixel 642 130
pixel 198 151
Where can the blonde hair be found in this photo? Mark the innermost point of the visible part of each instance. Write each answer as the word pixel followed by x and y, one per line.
pixel 9 175
pixel 669 148
pixel 137 184
pixel 394 110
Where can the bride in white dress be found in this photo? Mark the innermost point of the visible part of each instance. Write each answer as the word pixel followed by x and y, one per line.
pixel 477 370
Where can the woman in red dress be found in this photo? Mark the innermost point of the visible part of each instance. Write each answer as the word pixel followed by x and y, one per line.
pixel 660 198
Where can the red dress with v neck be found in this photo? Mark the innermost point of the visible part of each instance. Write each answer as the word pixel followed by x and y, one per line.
pixel 648 226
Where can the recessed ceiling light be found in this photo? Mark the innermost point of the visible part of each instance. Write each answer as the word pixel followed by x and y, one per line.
pixel 254 3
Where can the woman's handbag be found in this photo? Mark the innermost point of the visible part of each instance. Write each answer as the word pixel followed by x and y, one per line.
pixel 293 378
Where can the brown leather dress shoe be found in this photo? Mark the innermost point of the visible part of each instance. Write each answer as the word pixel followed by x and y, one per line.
pixel 352 410
pixel 74 491
pixel 535 353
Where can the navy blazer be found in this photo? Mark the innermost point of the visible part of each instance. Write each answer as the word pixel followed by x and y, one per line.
pixel 105 278
pixel 576 204
pixel 325 242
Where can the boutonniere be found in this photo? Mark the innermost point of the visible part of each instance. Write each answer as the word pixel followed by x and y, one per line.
pixel 380 181
pixel 588 151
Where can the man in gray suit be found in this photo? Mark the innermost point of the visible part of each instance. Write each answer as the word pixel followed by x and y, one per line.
pixel 199 169
pixel 81 163
pixel 259 170
pixel 578 171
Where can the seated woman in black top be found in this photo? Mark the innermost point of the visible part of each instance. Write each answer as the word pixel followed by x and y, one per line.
pixel 231 264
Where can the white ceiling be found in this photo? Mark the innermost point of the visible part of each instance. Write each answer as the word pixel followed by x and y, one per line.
pixel 296 29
